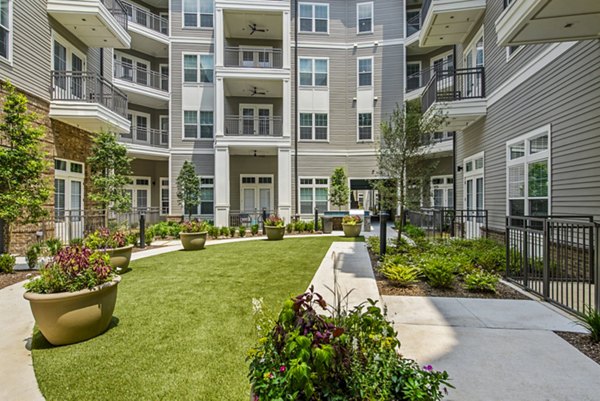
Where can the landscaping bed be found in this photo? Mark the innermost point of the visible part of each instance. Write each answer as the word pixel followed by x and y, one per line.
pixel 583 343
pixel 7 279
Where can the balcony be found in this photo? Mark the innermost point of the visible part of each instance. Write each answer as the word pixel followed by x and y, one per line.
pixel 253 127
pixel 417 81
pixel 253 57
pixel 439 144
pixel 97 23
pixel 448 22
pixel 88 101
pixel 146 141
pixel 145 87
pixel 543 21
pixel 149 32
pixel 457 94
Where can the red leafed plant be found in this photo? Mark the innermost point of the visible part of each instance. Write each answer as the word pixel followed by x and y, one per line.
pixel 274 221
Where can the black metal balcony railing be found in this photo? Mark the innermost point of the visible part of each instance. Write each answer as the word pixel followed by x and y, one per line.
pixel 251 126
pixel 253 57
pixel 145 18
pixel 140 76
pixel 454 85
pixel 421 78
pixel 146 136
pixel 81 86
pixel 413 25
pixel 117 9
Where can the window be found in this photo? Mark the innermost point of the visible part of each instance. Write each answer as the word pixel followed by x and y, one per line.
pixel 314 193
pixel 131 68
pixel 364 20
pixel 68 188
pixel 198 13
pixel 139 192
pixel 164 130
pixel 314 126
pixel 528 174
pixel 194 128
pixel 314 71
pixel 314 17
pixel 365 126
pixel 140 126
pixel 442 191
pixel 511 51
pixel 473 182
pixel 65 57
pixel 194 64
pixel 365 71
pixel 207 195
pixel 6 29
pixel 413 75
pixel 164 195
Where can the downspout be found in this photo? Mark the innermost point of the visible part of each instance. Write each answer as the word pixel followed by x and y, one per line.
pixel 102 62
pixel 295 130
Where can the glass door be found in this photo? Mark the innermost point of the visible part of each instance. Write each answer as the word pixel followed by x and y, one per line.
pixel 77 79
pixel 249 201
pixel 141 129
pixel 256 119
pixel 264 121
pixel 247 124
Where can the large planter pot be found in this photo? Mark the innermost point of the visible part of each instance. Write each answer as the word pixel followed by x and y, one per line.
pixel 120 257
pixel 351 230
pixel 71 317
pixel 193 241
pixel 275 233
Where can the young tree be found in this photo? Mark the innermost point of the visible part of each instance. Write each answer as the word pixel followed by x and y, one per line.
pixel 23 190
pixel 188 188
pixel 111 168
pixel 402 154
pixel 338 189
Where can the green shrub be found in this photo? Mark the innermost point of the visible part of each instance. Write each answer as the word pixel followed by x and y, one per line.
pixel 289 228
pixel 481 281
pixel 400 274
pixel 232 231
pixel 32 255
pixel 439 272
pixel 132 237
pixel 54 245
pixel 149 236
pixel 413 232
pixel 162 229
pixel 492 259
pixel 76 242
pixel 7 263
pixel 213 232
pixel 254 229
pixel 242 231
pixel 310 226
pixel 591 321
pixel 299 226
pixel 224 231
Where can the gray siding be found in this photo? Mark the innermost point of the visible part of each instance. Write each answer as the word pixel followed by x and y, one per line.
pixel 176 23
pixel 565 94
pixel 205 166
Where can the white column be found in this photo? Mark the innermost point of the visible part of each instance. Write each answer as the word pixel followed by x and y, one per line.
pixel 219 107
pixel 221 186
pixel 286 40
pixel 219 37
pixel 284 183
pixel 287 108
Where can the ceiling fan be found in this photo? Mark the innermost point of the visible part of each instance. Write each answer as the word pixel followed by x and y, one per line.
pixel 255 91
pixel 255 29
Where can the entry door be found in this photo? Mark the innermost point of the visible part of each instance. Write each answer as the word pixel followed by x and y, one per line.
pixel 256 193
pixel 255 58
pixel 256 119
pixel 473 188
pixel 473 57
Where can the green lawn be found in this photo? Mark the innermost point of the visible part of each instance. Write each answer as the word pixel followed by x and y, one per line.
pixel 184 325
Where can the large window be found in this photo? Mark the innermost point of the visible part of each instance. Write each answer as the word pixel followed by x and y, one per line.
pixel 314 17
pixel 314 194
pixel 365 71
pixel 198 68
pixel 314 126
pixel 198 13
pixel 364 17
pixel 68 188
pixel 314 71
pixel 528 174
pixel 5 29
pixel 207 196
pixel 365 126
pixel 164 195
pixel 198 125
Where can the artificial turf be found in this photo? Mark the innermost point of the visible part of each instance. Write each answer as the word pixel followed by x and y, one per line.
pixel 182 325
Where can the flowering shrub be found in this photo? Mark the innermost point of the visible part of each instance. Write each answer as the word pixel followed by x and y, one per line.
pixel 103 238
pixel 194 226
pixel 274 221
pixel 72 269
pixel 352 220
pixel 307 355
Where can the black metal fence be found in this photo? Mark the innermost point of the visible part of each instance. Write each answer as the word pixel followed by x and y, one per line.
pixel 556 258
pixel 239 218
pixel 453 85
pixel 419 79
pixel 446 222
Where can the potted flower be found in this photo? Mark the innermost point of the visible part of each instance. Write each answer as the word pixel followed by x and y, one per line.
pixel 116 244
pixel 193 235
pixel 274 228
pixel 74 296
pixel 351 225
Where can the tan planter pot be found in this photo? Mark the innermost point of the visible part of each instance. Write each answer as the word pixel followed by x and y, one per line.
pixel 351 230
pixel 71 317
pixel 193 241
pixel 120 257
pixel 275 233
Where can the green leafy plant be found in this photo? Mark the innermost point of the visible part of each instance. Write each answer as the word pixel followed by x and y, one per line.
pixel 54 245
pixel 299 226
pixel 161 230
pixel 72 269
pixel 591 321
pixel 76 242
pixel 352 220
pixel 289 228
pixel 7 263
pixel 310 226
pixel 188 188
pixel 33 254
pixel 254 229
pixel 242 231
pixel 414 232
pixel 104 238
pixel 481 281
pixel 400 274
pixel 213 232
pixel 195 226
pixel 232 231
pixel 224 231
pixel 339 193
pixel 439 272
pixel 274 221
pixel 148 236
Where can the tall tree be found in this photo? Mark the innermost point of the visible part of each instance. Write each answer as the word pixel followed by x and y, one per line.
pixel 111 168
pixel 338 189
pixel 188 188
pixel 23 190
pixel 402 153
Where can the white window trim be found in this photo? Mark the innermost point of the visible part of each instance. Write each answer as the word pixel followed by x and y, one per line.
pixel 198 79
pixel 134 115
pixel 473 175
pixel 420 71
pixel 71 49
pixel 160 200
pixel 9 59
pixel 442 56
pixel 133 187
pixel 510 56
pixel 160 130
pixel 445 187
pixel 255 54
pixel 197 138
pixel 358 32
pixel 312 85
pixel 358 72
pixel 199 207
pixel 358 140
pixel 160 67
pixel 313 186
pixel 526 160
pixel 472 45
pixel 313 127
pixel 198 14
pixel 256 117
pixel 313 32
pixel 257 186
pixel 69 176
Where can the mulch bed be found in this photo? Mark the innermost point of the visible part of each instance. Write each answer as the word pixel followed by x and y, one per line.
pixel 7 279
pixel 583 343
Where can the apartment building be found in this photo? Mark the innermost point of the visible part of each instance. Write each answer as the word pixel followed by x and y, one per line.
pixel 520 83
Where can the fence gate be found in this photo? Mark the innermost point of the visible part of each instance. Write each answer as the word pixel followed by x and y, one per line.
pixel 555 257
